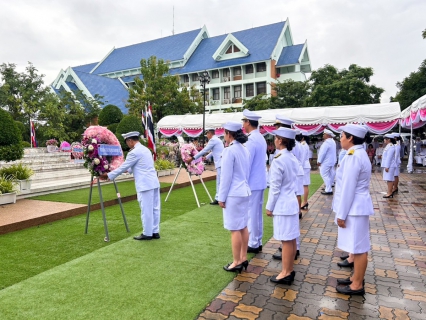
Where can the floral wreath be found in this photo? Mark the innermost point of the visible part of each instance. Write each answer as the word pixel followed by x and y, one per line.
pixel 77 150
pixel 187 151
pixel 97 164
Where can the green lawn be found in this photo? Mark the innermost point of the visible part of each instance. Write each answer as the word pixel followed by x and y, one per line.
pixel 56 271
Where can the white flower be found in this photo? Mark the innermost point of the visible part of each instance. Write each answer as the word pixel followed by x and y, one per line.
pixel 106 167
pixel 96 161
pixel 90 148
pixel 94 141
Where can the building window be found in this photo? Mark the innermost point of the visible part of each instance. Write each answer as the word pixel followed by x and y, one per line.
pixel 215 74
pixel 216 94
pixel 237 92
pixel 260 67
pixel 249 90
pixel 226 72
pixel 249 68
pixel 237 71
pixel 195 77
pixel 227 93
pixel 232 48
pixel 185 78
pixel 261 87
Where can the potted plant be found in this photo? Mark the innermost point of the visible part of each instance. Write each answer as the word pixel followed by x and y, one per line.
pixel 51 145
pixel 7 189
pixel 163 167
pixel 20 173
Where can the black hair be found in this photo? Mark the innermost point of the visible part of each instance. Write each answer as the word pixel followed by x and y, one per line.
pixel 283 125
pixel 356 140
pixel 253 123
pixel 393 140
pixel 288 143
pixel 135 138
pixel 299 137
pixel 307 139
pixel 238 135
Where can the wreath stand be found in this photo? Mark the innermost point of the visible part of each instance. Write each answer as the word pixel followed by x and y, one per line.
pixel 106 239
pixel 192 185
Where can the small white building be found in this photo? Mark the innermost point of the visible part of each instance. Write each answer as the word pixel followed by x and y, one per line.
pixel 241 65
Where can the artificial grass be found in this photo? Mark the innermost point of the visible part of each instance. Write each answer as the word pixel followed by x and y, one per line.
pixel 81 196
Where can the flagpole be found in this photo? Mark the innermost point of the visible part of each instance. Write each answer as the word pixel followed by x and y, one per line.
pixel 31 134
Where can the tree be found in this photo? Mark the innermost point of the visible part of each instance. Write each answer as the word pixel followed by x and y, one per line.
pixel 11 148
pixel 127 124
pixel 110 114
pixel 161 90
pixel 412 87
pixel 291 94
pixel 259 102
pixel 331 87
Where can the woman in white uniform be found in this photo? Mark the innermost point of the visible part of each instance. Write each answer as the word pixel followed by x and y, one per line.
pixel 354 208
pixel 388 163
pixel 234 192
pixel 306 171
pixel 398 147
pixel 282 204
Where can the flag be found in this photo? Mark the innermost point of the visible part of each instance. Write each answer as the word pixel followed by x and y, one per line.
pixel 33 135
pixel 150 132
pixel 143 121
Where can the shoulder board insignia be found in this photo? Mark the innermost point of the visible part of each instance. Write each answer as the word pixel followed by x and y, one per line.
pixel 303 142
pixel 277 156
pixel 351 152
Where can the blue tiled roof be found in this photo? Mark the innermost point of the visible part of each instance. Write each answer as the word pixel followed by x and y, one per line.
pixel 86 67
pixel 259 41
pixel 112 90
pixel 72 86
pixel 290 55
pixel 131 78
pixel 169 48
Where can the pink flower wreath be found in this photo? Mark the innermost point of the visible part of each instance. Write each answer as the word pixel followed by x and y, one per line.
pixel 92 138
pixel 196 166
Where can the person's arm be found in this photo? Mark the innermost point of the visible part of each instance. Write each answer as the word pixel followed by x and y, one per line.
pixel 226 175
pixel 348 186
pixel 131 159
pixel 206 149
pixel 276 178
pixel 322 152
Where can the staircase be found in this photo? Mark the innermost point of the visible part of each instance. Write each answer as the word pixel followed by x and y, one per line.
pixel 54 172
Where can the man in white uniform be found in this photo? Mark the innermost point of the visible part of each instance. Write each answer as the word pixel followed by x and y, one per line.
pixel 326 161
pixel 139 162
pixel 215 145
pixel 378 154
pixel 256 145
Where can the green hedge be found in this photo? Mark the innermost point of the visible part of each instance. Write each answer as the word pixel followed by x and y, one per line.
pixel 110 114
pixel 127 124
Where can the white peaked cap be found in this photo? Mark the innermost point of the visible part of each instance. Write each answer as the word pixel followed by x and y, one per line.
pixel 232 126
pixel 355 129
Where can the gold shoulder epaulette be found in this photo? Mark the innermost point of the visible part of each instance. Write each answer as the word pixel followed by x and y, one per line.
pixel 351 152
pixel 277 156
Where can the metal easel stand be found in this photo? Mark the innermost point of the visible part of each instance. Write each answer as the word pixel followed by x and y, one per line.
pixel 192 185
pixel 106 239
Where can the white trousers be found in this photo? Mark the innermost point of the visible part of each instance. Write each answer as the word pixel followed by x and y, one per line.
pixel 255 218
pixel 218 172
pixel 327 175
pixel 149 202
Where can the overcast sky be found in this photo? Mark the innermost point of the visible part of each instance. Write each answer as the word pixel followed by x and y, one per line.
pixel 382 34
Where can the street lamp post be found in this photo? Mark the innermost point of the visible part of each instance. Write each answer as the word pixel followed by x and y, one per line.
pixel 204 79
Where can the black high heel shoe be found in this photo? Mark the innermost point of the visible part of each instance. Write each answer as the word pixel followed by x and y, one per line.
pixel 388 196
pixel 245 264
pixel 305 207
pixel 395 191
pixel 237 268
pixel 286 280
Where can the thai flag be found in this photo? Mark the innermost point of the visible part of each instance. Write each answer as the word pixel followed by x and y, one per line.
pixel 33 135
pixel 150 132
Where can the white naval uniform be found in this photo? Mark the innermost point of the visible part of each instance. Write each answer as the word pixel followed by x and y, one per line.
pixel 353 180
pixel 299 154
pixel 397 159
pixel 281 199
pixel 234 190
pixel 306 164
pixel 327 159
pixel 256 146
pixel 215 145
pixel 139 162
pixel 388 161
pixel 379 152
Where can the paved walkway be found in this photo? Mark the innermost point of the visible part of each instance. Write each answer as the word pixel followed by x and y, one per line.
pixel 395 278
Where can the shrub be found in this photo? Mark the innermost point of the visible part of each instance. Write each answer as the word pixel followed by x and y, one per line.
pixel 112 127
pixel 10 138
pixel 7 184
pixel 17 171
pixel 26 144
pixel 110 114
pixel 24 131
pixel 162 164
pixel 127 124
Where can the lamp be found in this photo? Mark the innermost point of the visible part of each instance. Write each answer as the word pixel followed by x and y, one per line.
pixel 204 79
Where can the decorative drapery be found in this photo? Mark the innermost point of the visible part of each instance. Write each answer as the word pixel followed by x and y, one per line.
pixel 193 132
pixel 170 132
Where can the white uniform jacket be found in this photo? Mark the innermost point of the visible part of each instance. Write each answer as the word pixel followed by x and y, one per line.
pixel 215 145
pixel 388 156
pixel 397 154
pixel 353 181
pixel 139 162
pixel 234 175
pixel 298 153
pixel 282 185
pixel 327 153
pixel 305 150
pixel 256 146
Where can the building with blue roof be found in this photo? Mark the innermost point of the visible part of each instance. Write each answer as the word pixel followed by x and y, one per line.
pixel 241 65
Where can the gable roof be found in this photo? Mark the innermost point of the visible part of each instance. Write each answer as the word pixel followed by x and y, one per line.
pixel 112 89
pixel 290 55
pixel 260 42
pixel 85 67
pixel 169 49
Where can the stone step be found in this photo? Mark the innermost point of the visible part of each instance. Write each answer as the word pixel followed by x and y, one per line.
pixel 49 175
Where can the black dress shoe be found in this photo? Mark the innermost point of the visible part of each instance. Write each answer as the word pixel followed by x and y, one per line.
pixel 155 236
pixel 346 264
pixel 347 281
pixel 347 290
pixel 305 207
pixel 277 256
pixel 238 268
pixel 142 237
pixel 286 280
pixel 280 249
pixel 254 250
pixel 297 255
pixel 327 193
pixel 344 257
pixel 300 215
pixel 214 203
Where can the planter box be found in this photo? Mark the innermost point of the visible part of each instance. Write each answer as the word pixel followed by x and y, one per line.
pixel 51 149
pixel 161 173
pixel 25 185
pixel 8 198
